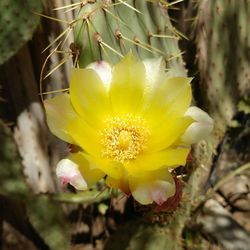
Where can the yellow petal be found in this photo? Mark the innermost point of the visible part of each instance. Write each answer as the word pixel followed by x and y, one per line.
pixel 155 73
pixel 121 184
pixel 156 186
pixel 111 168
pixel 60 113
pixel 66 124
pixel 169 100
pixel 85 136
pixel 127 85
pixel 166 134
pixel 89 96
pixel 90 174
pixel 171 157
pixel 104 71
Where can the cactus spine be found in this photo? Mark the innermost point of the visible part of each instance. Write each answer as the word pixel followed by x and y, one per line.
pixel 107 30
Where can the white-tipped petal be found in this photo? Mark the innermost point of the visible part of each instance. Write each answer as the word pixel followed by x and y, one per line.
pixel 198 115
pixel 103 69
pixel 154 72
pixel 157 187
pixel 161 191
pixel 201 127
pixel 67 171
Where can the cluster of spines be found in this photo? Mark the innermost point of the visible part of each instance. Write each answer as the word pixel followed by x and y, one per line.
pixel 107 30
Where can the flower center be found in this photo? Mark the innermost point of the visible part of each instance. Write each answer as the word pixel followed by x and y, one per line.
pixel 124 138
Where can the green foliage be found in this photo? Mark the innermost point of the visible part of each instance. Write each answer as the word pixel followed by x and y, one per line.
pixel 17 24
pixel 109 30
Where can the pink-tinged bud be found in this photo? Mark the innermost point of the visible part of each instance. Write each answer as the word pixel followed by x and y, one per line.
pixel 172 202
pixel 68 173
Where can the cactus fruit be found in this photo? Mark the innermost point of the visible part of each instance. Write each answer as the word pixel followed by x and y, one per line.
pixel 17 24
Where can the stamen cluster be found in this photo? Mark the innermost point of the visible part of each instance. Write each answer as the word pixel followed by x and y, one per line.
pixel 124 137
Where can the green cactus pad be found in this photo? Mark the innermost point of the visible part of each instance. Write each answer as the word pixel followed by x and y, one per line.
pixel 108 31
pixel 223 42
pixel 17 23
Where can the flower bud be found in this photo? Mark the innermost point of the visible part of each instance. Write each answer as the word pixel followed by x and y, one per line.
pixel 67 171
pixel 201 127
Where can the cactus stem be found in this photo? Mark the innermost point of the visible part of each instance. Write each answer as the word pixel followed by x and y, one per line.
pixel 114 16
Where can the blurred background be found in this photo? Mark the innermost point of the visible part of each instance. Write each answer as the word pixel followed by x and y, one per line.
pixel 41 40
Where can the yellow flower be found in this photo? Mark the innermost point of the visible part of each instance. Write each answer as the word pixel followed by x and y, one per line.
pixel 132 124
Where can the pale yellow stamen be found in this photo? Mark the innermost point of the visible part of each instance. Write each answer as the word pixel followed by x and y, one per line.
pixel 124 138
